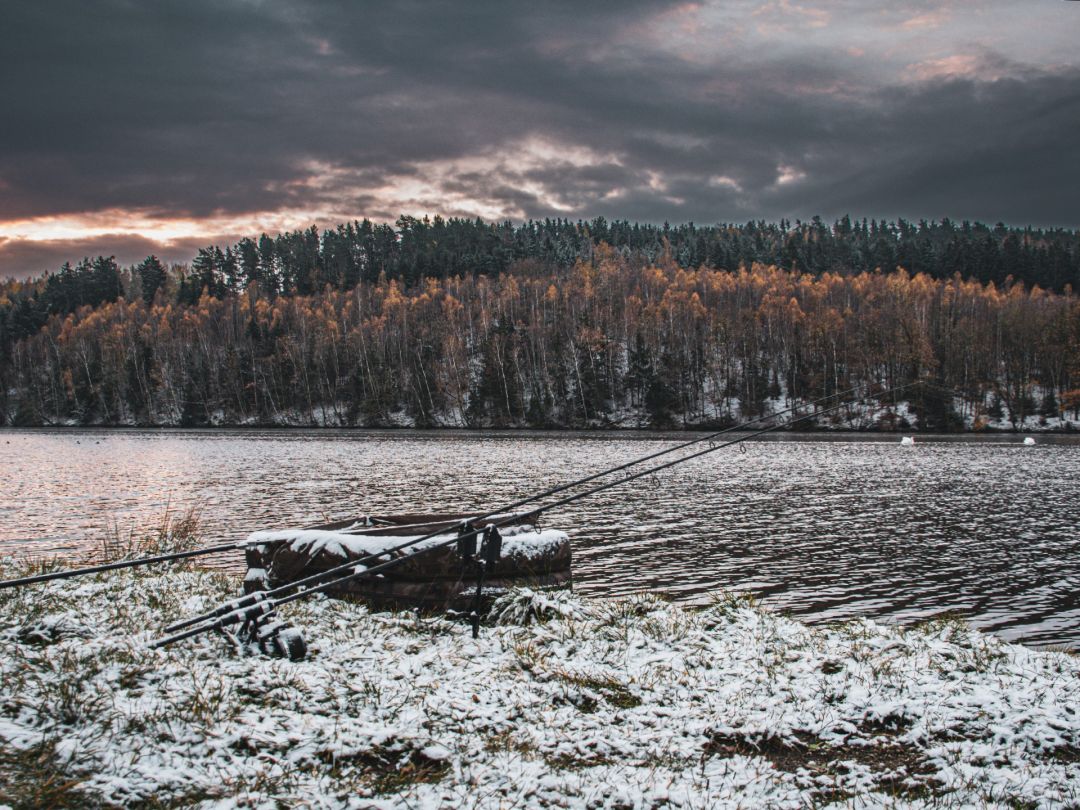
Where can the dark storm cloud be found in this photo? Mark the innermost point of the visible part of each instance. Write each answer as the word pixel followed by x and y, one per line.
pixel 1005 151
pixel 42 256
pixel 648 110
pixel 201 107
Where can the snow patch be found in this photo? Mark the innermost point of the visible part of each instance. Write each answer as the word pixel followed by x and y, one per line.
pixel 518 541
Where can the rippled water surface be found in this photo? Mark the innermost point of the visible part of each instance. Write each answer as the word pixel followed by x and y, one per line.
pixel 824 527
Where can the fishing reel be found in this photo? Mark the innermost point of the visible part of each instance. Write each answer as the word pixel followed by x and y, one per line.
pixel 272 636
pixel 483 547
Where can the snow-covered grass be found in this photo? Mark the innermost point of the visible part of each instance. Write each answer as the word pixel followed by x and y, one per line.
pixel 562 701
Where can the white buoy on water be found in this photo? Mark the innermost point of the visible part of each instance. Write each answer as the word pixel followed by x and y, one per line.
pixel 907 441
pixel 1029 441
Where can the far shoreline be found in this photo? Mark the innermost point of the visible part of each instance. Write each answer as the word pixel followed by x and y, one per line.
pixel 516 431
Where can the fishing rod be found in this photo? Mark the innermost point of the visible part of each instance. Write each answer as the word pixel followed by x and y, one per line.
pixel 251 599
pixel 263 604
pixel 239 545
pixel 97 569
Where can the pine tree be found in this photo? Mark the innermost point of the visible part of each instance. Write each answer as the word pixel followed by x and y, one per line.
pixel 151 274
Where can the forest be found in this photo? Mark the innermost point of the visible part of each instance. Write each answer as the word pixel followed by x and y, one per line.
pixel 438 322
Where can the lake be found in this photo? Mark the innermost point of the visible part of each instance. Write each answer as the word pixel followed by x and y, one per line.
pixel 824 526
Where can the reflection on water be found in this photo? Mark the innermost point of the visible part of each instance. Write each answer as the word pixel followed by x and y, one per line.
pixel 824 527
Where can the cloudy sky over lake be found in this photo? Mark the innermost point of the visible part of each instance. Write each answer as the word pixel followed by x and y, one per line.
pixel 134 127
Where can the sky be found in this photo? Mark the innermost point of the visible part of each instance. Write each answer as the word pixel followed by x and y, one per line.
pixel 131 127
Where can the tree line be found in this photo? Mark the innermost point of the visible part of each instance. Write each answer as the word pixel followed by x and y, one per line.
pixel 303 262
pixel 612 338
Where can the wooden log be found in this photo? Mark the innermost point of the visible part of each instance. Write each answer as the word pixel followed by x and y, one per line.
pixel 437 579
